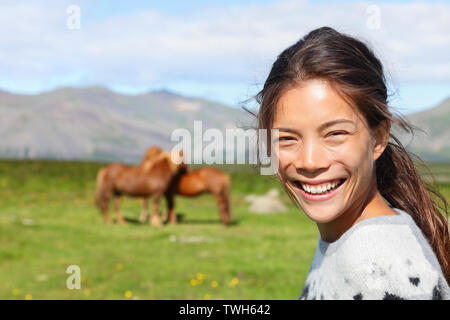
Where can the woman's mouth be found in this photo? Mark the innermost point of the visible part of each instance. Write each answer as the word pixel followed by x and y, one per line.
pixel 323 191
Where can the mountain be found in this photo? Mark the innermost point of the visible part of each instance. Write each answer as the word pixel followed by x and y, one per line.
pixel 432 140
pixel 95 123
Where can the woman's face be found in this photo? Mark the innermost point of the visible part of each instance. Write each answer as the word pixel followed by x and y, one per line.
pixel 326 151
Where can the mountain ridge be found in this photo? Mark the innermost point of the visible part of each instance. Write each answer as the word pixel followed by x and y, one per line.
pixel 96 123
pixel 432 140
pixel 99 124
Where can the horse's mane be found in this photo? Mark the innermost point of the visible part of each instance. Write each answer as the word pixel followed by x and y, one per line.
pixel 151 153
pixel 148 162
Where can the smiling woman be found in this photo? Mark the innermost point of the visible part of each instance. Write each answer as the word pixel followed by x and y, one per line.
pixel 320 156
pixel 382 235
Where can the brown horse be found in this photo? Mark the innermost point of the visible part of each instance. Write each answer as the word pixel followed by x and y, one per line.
pixel 119 179
pixel 150 157
pixel 194 183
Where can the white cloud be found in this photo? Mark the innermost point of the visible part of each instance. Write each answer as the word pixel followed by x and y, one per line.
pixel 214 45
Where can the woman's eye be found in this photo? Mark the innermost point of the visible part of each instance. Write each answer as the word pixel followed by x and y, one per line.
pixel 337 133
pixel 337 136
pixel 286 140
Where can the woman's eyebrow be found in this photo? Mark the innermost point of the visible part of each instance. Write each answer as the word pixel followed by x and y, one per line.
pixel 287 130
pixel 333 122
pixel 322 126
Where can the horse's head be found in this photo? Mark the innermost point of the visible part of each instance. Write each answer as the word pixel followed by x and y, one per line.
pixel 174 160
pixel 151 154
pixel 177 162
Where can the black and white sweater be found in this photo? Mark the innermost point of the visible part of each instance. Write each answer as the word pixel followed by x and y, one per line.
pixel 384 257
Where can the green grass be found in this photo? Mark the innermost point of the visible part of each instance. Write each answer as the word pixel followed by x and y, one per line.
pixel 48 221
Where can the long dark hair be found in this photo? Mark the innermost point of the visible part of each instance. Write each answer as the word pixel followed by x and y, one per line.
pixel 353 70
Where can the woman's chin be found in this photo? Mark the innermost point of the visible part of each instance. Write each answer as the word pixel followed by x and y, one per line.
pixel 322 215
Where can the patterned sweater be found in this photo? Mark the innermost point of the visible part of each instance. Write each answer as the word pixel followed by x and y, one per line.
pixel 384 257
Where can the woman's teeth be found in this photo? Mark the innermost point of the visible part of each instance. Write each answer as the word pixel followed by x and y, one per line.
pixel 320 189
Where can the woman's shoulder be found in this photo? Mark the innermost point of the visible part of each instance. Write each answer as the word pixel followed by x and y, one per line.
pixel 392 258
pixel 388 237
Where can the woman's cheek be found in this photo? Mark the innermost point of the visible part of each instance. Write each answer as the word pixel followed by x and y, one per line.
pixel 286 158
pixel 349 153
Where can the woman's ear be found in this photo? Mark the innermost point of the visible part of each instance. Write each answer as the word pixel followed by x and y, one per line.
pixel 381 138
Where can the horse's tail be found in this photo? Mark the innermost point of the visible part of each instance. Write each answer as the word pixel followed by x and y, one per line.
pixel 100 191
pixel 226 192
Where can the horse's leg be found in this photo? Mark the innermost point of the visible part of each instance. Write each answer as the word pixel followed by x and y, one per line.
pixel 222 204
pixel 156 220
pixel 103 200
pixel 120 220
pixel 144 210
pixel 106 213
pixel 172 218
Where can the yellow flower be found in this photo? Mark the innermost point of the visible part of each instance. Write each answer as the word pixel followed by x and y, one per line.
pixel 15 292
pixel 87 292
pixel 207 297
pixel 128 294
pixel 234 282
pixel 119 266
pixel 214 284
pixel 200 276
pixel 194 282
pixel 28 296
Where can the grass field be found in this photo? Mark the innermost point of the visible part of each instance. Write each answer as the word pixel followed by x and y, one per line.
pixel 48 221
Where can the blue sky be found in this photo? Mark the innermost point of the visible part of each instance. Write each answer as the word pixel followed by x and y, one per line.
pixel 218 50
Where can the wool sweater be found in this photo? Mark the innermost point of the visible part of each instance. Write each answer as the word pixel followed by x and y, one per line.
pixel 384 257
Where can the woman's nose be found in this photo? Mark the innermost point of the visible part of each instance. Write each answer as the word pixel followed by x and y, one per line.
pixel 311 157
